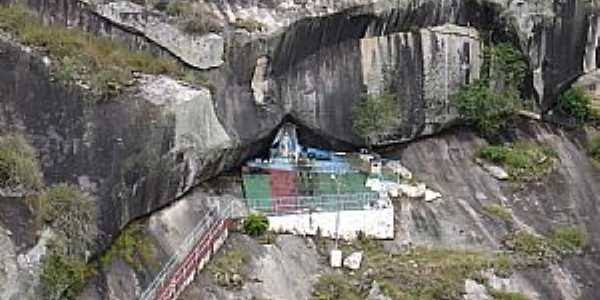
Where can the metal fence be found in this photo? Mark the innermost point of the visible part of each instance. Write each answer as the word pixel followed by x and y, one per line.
pixel 167 284
pixel 317 203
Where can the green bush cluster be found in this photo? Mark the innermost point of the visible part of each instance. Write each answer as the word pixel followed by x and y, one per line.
pixel 537 248
pixel 568 238
pixel 19 166
pixel 63 277
pixel 503 295
pixel 498 211
pixel 524 161
pixel 333 287
pixel 132 246
pixel 373 115
pixel 229 269
pixel 505 63
pixel 256 224
pixel 105 64
pixel 594 148
pixel 487 110
pixel 71 213
pixel 575 103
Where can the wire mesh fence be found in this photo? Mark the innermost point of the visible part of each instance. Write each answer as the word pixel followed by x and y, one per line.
pixel 317 203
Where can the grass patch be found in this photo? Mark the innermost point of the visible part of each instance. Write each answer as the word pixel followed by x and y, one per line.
pixel 498 211
pixel 420 273
pixel 594 148
pixel 256 224
pixel 568 239
pixel 503 295
pixel 63 277
pixel 229 269
pixel 19 166
pixel 71 213
pixel 103 64
pixel 523 161
pixel 249 25
pixel 132 246
pixel 575 103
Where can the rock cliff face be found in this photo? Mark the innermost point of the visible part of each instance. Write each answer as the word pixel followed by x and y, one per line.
pixel 312 63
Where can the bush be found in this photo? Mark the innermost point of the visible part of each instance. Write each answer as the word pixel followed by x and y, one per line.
pixel 201 25
pixel 64 277
pixel 575 103
pixel 485 109
pixel 594 148
pixel 256 224
pixel 524 161
pixel 503 295
pixel 333 287
pixel 71 213
pixel 229 269
pixel 568 239
pixel 498 211
pixel 19 166
pixel 83 54
pixel 373 115
pixel 132 246
pixel 507 64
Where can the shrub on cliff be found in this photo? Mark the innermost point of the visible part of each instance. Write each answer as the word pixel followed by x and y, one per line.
pixel 19 166
pixel 104 64
pixel 488 111
pixel 132 246
pixel 374 115
pixel 256 224
pixel 523 161
pixel 595 148
pixel 63 277
pixel 575 103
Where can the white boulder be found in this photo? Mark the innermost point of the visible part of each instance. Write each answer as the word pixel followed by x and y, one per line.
pixel 353 260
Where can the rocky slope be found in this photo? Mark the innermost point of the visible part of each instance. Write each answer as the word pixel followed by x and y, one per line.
pixel 311 62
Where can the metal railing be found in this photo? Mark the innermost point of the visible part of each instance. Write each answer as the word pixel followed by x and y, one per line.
pixel 319 203
pixel 202 231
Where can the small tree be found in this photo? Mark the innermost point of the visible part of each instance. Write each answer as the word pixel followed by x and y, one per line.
pixel 487 110
pixel 373 115
pixel 256 224
pixel 575 103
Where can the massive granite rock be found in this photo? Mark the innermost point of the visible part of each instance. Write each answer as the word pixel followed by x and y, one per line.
pixel 152 144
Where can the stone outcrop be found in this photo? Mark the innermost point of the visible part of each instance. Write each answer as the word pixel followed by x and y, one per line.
pixel 313 63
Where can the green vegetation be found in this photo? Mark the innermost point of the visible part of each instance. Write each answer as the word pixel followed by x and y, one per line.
pixel 256 224
pixel 568 239
pixel 505 63
pixel 71 213
pixel 229 269
pixel 499 212
pixel 487 110
pixel 536 249
pixel 196 18
pixel 594 148
pixel 132 246
pixel 373 115
pixel 63 277
pixel 249 25
pixel 419 273
pixel 575 103
pixel 335 286
pixel 105 65
pixel 19 166
pixel 502 295
pixel 523 161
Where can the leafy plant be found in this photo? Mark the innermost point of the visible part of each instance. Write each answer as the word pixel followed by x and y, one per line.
pixel 594 148
pixel 19 166
pixel 333 287
pixel 568 239
pixel 132 246
pixel 505 64
pixel 498 211
pixel 575 103
pixel 373 115
pixel 64 277
pixel 485 109
pixel 71 213
pixel 524 161
pixel 504 295
pixel 229 269
pixel 256 224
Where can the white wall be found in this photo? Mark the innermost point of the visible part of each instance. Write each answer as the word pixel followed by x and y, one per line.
pixel 376 223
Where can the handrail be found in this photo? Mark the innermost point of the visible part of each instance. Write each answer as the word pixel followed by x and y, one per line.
pixel 213 216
